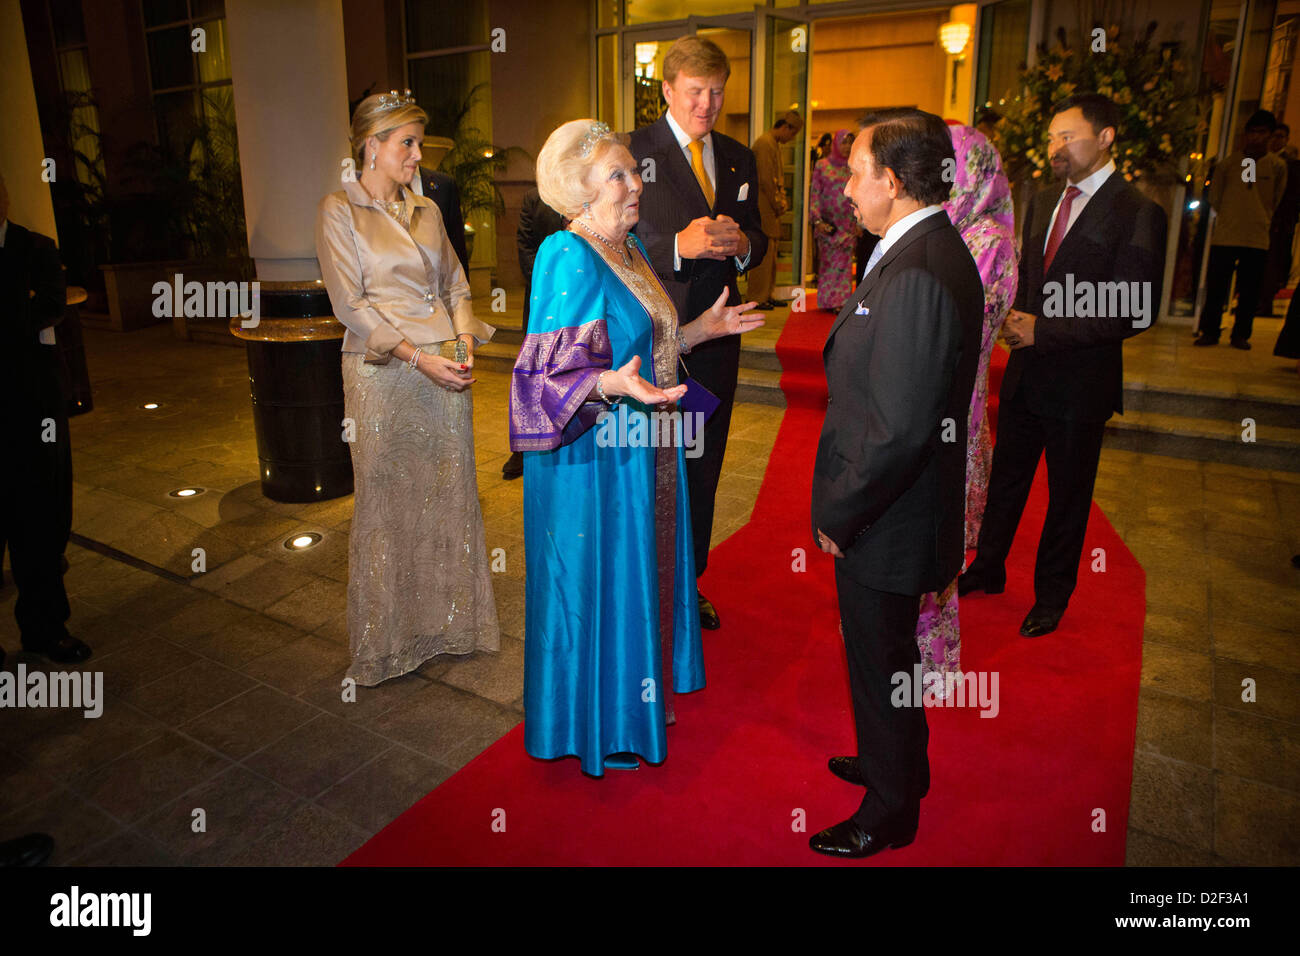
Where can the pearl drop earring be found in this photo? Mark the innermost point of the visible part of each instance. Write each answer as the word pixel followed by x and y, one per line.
pixel 372 160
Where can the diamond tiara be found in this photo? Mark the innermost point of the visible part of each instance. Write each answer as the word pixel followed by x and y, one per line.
pixel 392 100
pixel 594 135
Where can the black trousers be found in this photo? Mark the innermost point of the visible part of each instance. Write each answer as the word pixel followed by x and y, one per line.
pixel 880 641
pixel 716 367
pixel 1073 450
pixel 1278 265
pixel 36 507
pixel 1249 266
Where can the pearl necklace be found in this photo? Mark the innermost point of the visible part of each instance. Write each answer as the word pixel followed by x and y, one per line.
pixel 624 255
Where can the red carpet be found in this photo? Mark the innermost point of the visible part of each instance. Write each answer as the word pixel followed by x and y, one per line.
pixel 746 765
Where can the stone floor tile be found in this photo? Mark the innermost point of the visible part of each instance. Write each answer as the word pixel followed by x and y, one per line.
pixel 237 805
pixel 185 694
pixel 1255 824
pixel 308 836
pixel 1173 670
pixel 444 724
pixel 1175 727
pixel 1260 748
pixel 298 666
pixel 312 606
pixel 249 722
pixel 140 782
pixel 495 676
pixel 383 789
pixel 317 755
pixel 1173 800
pixel 74 823
pixel 1275 693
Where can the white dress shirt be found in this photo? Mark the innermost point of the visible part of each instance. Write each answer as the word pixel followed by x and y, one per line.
pixel 1087 186
pixel 710 170
pixel 896 232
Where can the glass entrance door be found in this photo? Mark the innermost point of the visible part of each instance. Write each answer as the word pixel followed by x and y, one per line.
pixel 784 65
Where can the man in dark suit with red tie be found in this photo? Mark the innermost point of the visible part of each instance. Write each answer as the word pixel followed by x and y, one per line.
pixel 701 228
pixel 889 483
pixel 1091 267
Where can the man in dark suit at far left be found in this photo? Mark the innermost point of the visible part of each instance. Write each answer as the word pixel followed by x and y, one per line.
pixel 36 474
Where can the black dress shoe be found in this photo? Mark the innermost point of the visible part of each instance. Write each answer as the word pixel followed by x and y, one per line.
pixel 66 650
pixel 850 841
pixel 847 768
pixel 1204 340
pixel 1240 344
pixel 30 850
pixel 708 615
pixel 976 580
pixel 514 466
pixel 1040 621
pixel 765 306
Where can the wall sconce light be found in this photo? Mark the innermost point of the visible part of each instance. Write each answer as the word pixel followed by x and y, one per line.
pixel 953 36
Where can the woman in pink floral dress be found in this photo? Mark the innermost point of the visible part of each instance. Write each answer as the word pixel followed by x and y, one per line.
pixel 834 224
pixel 980 207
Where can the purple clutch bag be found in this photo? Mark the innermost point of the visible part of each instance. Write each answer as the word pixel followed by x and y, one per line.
pixel 697 397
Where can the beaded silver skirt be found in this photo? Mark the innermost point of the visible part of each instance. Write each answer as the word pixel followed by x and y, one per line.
pixel 418 577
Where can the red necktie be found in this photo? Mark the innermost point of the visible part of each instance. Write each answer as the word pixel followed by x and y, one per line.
pixel 1058 228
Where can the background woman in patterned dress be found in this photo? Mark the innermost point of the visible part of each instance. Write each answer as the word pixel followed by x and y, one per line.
pixel 980 207
pixel 836 228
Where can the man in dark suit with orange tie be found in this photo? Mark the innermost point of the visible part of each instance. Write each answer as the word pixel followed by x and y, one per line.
pixel 701 228
pixel 1091 267
pixel 889 483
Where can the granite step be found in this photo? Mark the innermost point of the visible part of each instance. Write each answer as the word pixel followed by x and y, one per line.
pixel 1275 447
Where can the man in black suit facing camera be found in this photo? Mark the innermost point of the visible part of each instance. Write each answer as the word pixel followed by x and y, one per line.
pixel 1091 266
pixel 701 227
pixel 889 484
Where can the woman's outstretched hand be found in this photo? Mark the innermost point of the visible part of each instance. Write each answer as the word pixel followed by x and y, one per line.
pixel 627 382
pixel 721 319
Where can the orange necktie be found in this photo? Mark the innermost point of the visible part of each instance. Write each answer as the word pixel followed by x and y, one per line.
pixel 697 166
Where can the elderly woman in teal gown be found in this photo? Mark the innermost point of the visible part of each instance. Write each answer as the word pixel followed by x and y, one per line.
pixel 611 626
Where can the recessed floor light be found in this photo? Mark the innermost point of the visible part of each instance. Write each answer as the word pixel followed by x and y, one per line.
pixel 151 405
pixel 185 492
pixel 301 542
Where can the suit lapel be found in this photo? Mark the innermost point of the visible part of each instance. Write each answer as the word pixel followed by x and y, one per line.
pixel 1095 211
pixel 929 224
pixel 680 175
pixel 851 306
pixel 726 182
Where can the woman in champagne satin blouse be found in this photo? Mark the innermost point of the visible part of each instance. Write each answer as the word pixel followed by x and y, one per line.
pixel 418 578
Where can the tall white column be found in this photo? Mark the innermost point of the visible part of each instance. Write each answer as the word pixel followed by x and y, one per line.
pixel 288 68
pixel 21 149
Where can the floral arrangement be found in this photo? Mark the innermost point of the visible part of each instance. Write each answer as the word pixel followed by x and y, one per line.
pixel 1159 120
